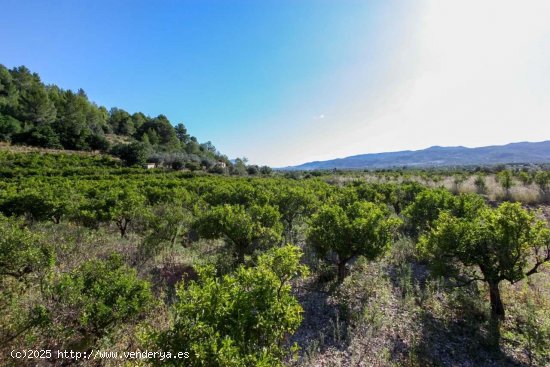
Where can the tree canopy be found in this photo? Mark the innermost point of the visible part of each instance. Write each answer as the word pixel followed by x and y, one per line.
pixel 507 243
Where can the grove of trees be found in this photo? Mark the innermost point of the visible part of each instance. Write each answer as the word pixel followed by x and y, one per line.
pixel 94 254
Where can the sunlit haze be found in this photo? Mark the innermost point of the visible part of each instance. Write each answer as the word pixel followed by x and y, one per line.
pixel 286 82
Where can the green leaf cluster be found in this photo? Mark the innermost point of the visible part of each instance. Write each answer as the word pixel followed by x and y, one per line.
pixel 240 319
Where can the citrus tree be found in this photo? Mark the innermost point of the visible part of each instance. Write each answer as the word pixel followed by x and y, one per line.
pixel 243 228
pixel 293 203
pixel 25 261
pixel 428 204
pixel 506 180
pixel 503 244
pixel 240 319
pixel 96 297
pixel 361 228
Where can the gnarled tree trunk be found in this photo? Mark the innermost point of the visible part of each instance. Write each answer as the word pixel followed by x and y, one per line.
pixel 497 312
pixel 497 307
pixel 342 271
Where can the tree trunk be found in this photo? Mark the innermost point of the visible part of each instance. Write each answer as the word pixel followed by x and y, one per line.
pixel 290 239
pixel 497 308
pixel 122 227
pixel 240 256
pixel 497 313
pixel 342 270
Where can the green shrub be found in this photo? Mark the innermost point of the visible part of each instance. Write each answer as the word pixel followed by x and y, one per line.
pixel 240 319
pixel 98 296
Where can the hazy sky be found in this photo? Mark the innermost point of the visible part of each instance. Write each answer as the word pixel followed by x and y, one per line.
pixel 285 82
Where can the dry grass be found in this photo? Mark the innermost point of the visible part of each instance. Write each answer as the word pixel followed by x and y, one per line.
pixel 29 149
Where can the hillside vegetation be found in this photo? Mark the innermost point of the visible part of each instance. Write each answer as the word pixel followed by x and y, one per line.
pixel 358 269
pixel 35 114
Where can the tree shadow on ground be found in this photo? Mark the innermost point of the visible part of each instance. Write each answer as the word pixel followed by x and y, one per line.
pixel 323 325
pixel 461 338
pixel 456 343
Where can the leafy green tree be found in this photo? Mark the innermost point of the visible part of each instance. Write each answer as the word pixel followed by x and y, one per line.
pixel 37 204
pixel 25 260
pixel 358 229
pixel 35 106
pixel 167 225
pixel 426 208
pixel 181 133
pixel 240 319
pixel 177 164
pixel 40 136
pixel 151 136
pixel 96 118
pixel 192 147
pixel 506 180
pixel 131 154
pixel 481 186
pixel 243 228
pixel 23 78
pixel 236 192
pixel 71 123
pixel 193 166
pixel 8 127
pixel 138 120
pixel 542 179
pixel 239 167
pixel 8 91
pixel 121 122
pixel 218 168
pixel 21 251
pixel 293 203
pixel 507 243
pixel 159 131
pixel 525 178
pixel 266 170
pixel 207 162
pixel 405 194
pixel 253 169
pixel 98 142
pixel 128 206
pixel 209 147
pixel 122 205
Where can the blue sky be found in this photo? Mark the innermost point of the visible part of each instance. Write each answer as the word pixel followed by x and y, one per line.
pixel 284 82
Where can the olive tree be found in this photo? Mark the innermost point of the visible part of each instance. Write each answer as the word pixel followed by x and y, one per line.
pixel 507 243
pixel 361 228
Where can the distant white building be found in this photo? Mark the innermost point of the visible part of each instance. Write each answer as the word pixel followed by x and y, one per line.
pixel 149 165
pixel 222 164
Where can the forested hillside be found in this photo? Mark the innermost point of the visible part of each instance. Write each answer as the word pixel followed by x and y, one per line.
pixel 48 116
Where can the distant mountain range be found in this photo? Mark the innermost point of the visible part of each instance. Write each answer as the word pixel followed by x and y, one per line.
pixel 437 156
